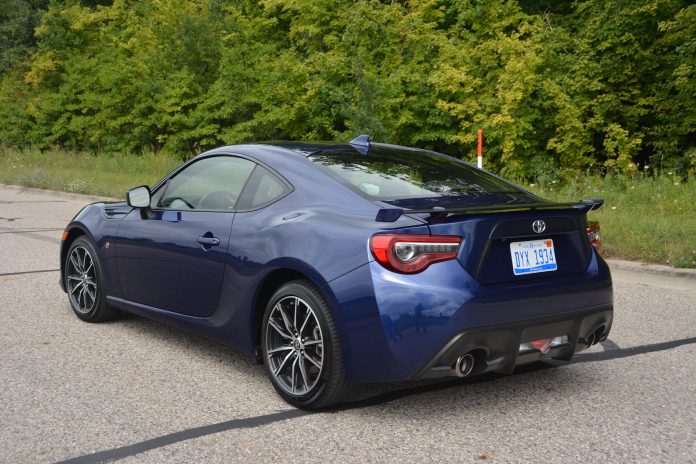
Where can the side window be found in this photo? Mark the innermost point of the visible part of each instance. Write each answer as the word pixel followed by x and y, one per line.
pixel 209 184
pixel 263 188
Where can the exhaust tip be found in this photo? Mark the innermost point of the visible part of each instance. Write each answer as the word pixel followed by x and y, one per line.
pixel 596 336
pixel 600 333
pixel 590 340
pixel 464 365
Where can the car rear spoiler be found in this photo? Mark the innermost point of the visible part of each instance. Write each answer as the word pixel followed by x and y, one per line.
pixel 585 205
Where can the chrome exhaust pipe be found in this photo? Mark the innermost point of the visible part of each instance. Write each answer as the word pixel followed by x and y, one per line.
pixel 464 365
pixel 595 336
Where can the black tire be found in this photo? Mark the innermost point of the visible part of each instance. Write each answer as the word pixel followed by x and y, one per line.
pixel 84 286
pixel 317 387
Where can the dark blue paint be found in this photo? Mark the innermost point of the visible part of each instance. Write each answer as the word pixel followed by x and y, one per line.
pixel 176 273
pixel 390 324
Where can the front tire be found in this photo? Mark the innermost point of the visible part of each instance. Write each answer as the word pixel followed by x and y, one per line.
pixel 301 349
pixel 83 282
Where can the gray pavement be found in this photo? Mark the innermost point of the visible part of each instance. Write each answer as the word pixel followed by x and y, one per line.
pixel 137 391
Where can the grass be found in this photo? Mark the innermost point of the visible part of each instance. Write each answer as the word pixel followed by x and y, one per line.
pixel 649 219
pixel 100 175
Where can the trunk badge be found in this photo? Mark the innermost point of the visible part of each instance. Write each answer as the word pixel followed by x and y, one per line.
pixel 538 226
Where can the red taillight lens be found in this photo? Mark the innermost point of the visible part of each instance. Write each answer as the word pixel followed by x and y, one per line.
pixel 409 254
pixel 593 235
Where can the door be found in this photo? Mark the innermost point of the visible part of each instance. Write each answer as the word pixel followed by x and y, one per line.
pixel 174 257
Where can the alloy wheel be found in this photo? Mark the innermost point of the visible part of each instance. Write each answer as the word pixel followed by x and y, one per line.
pixel 81 278
pixel 294 346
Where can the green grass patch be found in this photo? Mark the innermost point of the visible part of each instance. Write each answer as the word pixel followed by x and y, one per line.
pixel 650 219
pixel 106 175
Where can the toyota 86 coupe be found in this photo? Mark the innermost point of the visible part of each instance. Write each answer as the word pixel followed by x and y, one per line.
pixel 335 264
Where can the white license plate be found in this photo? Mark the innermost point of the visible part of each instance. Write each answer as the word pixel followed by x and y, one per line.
pixel 533 256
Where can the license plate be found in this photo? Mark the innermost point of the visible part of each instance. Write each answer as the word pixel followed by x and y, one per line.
pixel 533 256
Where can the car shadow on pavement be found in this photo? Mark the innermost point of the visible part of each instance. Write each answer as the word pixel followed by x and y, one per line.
pixel 195 345
pixel 377 400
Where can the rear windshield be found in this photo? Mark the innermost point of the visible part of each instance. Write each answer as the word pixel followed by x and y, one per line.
pixel 392 174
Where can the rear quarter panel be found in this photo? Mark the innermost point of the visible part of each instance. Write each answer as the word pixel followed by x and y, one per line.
pixel 296 234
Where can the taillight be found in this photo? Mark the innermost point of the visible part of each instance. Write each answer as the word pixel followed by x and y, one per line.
pixel 593 235
pixel 409 254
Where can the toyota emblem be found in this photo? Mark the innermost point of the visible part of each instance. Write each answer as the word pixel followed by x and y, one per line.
pixel 538 226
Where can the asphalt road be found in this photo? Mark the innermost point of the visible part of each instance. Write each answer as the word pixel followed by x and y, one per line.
pixel 137 391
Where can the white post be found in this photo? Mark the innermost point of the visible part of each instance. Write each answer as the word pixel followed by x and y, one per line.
pixel 480 149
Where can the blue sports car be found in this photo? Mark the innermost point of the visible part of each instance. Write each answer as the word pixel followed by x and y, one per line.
pixel 336 264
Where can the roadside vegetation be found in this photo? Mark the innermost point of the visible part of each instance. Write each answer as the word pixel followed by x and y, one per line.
pixel 645 218
pixel 554 85
pixel 106 175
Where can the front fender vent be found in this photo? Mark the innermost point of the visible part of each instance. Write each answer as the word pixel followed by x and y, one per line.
pixel 113 212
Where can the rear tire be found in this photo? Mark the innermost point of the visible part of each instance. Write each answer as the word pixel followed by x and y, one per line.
pixel 83 282
pixel 301 349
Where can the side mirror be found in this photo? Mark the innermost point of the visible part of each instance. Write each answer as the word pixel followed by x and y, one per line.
pixel 139 197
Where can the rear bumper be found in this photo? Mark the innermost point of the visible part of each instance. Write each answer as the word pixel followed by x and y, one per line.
pixel 397 327
pixel 497 348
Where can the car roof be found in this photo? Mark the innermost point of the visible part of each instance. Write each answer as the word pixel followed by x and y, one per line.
pixel 358 146
pixel 307 149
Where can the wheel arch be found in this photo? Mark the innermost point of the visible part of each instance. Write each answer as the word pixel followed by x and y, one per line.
pixel 72 232
pixel 272 282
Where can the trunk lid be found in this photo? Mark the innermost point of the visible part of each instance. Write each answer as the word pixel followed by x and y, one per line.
pixel 486 248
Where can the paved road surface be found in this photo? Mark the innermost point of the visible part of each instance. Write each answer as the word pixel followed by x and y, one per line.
pixel 137 391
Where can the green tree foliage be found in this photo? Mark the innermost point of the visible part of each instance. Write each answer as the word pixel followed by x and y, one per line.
pixel 17 21
pixel 554 85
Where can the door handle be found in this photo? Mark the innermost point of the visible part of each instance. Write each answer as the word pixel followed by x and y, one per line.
pixel 208 241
